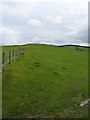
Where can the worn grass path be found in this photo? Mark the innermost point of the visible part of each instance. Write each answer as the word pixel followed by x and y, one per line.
pixel 45 82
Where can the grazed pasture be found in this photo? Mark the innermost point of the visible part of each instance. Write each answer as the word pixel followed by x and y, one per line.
pixel 46 81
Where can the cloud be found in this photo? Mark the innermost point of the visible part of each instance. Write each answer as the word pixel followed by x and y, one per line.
pixel 42 40
pixel 38 1
pixel 36 39
pixel 7 30
pixel 35 22
pixel 9 36
pixel 53 19
pixel 17 10
pixel 51 22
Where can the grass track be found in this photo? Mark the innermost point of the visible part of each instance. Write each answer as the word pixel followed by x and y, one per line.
pixel 47 81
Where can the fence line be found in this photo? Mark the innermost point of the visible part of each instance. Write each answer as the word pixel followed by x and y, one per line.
pixel 11 57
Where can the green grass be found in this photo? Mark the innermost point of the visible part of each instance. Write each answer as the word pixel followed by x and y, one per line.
pixel 46 81
pixel 16 48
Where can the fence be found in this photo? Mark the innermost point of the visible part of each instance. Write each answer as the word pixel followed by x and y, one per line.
pixel 12 56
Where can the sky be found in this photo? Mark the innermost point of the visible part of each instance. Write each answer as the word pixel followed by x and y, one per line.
pixel 56 22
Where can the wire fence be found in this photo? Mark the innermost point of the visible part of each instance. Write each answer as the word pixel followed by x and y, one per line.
pixel 12 56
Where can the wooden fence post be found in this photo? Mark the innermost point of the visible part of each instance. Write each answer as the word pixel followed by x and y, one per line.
pixel 9 57
pixel 13 55
pixel 3 61
pixel 3 58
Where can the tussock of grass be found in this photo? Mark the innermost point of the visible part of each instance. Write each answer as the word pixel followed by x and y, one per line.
pixel 37 64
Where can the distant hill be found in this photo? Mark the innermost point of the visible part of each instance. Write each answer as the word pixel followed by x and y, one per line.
pixel 49 45
pixel 73 46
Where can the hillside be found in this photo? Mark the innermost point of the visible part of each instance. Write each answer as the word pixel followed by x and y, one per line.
pixel 46 81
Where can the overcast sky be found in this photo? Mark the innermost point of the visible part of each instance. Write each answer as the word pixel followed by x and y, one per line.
pixel 55 22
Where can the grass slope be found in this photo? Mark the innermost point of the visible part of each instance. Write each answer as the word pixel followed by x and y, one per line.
pixel 16 48
pixel 46 81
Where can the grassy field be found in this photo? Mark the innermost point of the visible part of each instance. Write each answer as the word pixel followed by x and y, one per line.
pixel 16 48
pixel 46 82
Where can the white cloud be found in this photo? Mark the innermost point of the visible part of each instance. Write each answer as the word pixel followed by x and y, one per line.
pixel 42 40
pixel 38 1
pixel 46 21
pixel 53 19
pixel 36 39
pixel 9 36
pixel 19 10
pixel 8 30
pixel 35 22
